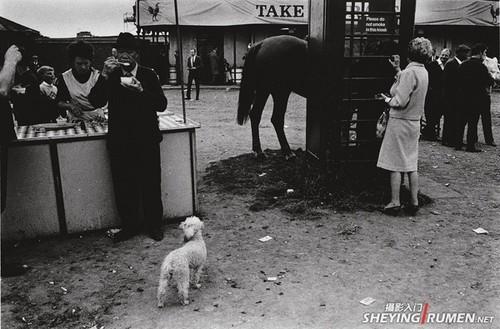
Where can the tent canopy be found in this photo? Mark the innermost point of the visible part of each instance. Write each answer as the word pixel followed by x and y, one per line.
pixel 223 12
pixel 10 26
pixel 457 12
pixel 295 12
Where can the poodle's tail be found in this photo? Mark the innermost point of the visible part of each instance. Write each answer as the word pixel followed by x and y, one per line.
pixel 248 84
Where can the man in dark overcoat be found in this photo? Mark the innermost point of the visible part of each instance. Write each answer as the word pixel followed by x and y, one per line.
pixel 434 106
pixel 473 96
pixel 450 91
pixel 134 95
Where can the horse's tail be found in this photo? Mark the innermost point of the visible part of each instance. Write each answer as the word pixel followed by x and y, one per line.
pixel 248 85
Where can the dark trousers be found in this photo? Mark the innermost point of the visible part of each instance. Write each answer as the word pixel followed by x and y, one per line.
pixel 193 76
pixel 3 169
pixel 470 119
pixel 137 183
pixel 450 124
pixel 486 122
pixel 433 113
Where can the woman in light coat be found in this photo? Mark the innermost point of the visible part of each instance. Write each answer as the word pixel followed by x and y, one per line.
pixel 399 150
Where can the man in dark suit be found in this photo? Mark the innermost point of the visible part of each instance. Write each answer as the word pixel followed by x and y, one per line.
pixel 474 96
pixel 450 91
pixel 434 99
pixel 134 95
pixel 193 65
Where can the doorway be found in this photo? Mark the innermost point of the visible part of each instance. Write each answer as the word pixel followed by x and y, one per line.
pixel 210 46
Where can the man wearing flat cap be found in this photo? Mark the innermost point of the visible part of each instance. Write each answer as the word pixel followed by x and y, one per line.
pixel 134 95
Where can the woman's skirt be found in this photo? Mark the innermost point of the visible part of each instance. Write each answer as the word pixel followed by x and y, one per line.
pixel 399 150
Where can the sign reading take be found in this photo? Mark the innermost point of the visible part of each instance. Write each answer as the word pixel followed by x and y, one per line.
pixel 280 10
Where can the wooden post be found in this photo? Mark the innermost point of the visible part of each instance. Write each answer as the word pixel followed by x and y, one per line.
pixel 234 57
pixel 181 60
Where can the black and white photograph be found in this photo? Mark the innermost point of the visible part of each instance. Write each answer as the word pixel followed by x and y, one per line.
pixel 253 164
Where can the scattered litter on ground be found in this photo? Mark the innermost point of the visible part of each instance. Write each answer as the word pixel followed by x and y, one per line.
pixel 349 230
pixel 476 285
pixel 232 283
pixel 480 230
pixel 435 212
pixel 265 239
pixel 367 301
pixel 262 175
pixel 271 279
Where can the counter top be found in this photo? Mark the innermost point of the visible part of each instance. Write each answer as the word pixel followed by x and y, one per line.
pixel 168 122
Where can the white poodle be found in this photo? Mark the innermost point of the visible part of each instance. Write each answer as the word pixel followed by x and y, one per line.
pixel 184 265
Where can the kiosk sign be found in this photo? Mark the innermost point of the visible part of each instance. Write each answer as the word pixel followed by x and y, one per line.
pixel 376 24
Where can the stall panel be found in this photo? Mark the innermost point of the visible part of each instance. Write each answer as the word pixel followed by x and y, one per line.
pixel 86 185
pixel 178 174
pixel 31 200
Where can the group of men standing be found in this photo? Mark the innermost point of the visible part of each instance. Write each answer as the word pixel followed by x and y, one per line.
pixel 459 90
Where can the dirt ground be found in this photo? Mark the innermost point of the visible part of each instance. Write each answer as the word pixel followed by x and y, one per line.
pixel 325 263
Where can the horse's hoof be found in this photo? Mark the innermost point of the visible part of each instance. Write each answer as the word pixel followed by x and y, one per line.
pixel 290 156
pixel 259 155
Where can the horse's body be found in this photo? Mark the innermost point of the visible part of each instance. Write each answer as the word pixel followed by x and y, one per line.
pixel 275 66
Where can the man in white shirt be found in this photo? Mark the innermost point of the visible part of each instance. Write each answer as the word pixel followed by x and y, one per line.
pixel 434 106
pixel 193 65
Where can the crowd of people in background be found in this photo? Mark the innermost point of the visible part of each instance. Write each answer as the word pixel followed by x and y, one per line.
pixel 459 91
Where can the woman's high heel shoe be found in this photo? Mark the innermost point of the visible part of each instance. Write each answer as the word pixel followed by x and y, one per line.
pixel 411 209
pixel 392 211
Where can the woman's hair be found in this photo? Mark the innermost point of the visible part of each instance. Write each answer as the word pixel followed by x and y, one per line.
pixel 80 49
pixel 420 50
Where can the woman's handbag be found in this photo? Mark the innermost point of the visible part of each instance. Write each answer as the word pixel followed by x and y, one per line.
pixel 382 123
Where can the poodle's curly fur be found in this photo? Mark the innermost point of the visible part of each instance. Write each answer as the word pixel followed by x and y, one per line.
pixel 184 265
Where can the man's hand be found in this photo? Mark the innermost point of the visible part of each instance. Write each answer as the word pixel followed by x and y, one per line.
pixel 134 85
pixel 110 64
pixel 395 62
pixel 71 108
pixel 13 55
pixel 75 110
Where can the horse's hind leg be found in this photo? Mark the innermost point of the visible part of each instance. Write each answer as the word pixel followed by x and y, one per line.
pixel 255 116
pixel 278 121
